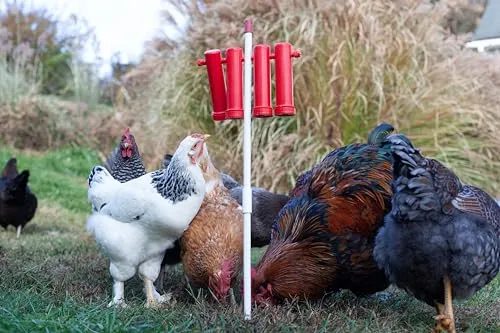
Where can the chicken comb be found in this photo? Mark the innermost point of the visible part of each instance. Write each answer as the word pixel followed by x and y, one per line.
pixel 126 132
pixel 198 136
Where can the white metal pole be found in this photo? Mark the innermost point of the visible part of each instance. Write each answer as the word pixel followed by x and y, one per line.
pixel 247 170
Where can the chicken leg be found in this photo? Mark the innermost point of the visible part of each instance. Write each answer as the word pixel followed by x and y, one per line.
pixel 151 301
pixel 118 294
pixel 19 229
pixel 445 317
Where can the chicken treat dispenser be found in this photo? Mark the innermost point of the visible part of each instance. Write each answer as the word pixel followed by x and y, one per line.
pixel 232 99
pixel 227 97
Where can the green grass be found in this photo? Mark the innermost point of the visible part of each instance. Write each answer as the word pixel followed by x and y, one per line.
pixel 55 279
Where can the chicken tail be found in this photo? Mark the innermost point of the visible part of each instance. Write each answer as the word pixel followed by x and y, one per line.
pixel 405 156
pixel 380 133
pixel 10 169
pixel 98 174
pixel 415 191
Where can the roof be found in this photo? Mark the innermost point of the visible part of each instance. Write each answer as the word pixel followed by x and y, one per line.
pixel 489 26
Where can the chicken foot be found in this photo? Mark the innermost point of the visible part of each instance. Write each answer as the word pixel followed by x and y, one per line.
pixel 153 297
pixel 445 317
pixel 118 295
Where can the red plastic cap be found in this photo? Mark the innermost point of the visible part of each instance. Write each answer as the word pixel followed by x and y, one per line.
pixel 262 111
pixel 284 110
pixel 248 26
pixel 219 116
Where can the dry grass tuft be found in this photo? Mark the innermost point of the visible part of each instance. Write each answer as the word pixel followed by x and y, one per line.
pixel 43 123
pixel 363 62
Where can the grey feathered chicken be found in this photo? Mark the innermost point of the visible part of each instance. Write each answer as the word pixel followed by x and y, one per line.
pixel 125 162
pixel 441 240
pixel 265 208
pixel 17 203
pixel 136 221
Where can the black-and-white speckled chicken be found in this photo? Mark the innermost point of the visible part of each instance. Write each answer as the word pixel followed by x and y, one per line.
pixel 136 221
pixel 124 163
pixel 441 240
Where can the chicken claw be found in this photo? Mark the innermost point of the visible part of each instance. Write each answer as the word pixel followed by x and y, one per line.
pixel 165 298
pixel 119 303
pixel 445 323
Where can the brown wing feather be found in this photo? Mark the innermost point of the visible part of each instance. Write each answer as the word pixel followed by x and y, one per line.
pixel 357 199
pixel 473 200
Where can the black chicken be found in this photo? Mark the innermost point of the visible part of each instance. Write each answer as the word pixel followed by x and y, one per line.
pixel 17 203
pixel 441 240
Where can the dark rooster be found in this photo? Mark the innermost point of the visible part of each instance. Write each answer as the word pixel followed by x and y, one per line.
pixel 323 238
pixel 17 203
pixel 125 162
pixel 441 240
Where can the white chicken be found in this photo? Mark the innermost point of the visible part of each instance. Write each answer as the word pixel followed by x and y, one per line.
pixel 136 221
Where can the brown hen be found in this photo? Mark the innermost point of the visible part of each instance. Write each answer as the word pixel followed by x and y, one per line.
pixel 212 246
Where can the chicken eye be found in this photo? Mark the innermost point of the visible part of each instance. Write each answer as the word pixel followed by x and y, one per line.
pixel 138 217
pixel 102 206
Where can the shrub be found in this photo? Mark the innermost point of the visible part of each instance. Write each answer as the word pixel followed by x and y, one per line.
pixel 19 76
pixel 363 62
pixel 42 122
pixel 38 31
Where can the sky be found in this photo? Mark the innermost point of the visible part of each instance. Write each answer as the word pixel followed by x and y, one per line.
pixel 120 25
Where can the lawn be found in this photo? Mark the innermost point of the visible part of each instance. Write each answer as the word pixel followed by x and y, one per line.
pixel 54 279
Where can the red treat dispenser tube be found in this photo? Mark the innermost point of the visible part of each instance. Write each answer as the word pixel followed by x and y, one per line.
pixel 262 81
pixel 284 80
pixel 234 72
pixel 213 60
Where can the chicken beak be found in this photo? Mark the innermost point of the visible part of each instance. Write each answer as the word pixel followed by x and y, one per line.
pixel 126 145
pixel 205 137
